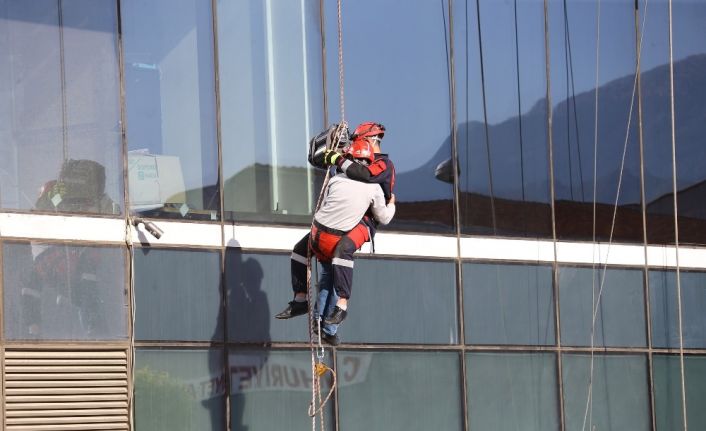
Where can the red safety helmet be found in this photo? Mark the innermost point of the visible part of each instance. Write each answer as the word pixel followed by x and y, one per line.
pixel 361 149
pixel 368 130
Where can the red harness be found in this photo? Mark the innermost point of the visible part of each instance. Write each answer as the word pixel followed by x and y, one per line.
pixel 323 240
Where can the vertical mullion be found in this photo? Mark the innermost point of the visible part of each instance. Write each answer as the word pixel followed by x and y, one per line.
pixel 643 209
pixel 552 194
pixel 128 260
pixel 222 249
pixel 457 212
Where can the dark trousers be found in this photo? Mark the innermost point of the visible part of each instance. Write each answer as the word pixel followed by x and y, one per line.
pixel 339 254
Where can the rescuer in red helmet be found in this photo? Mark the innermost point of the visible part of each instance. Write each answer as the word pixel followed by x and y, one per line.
pixel 378 170
pixel 337 232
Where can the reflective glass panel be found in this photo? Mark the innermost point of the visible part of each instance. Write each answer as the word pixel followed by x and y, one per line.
pixel 586 136
pixel 400 78
pixel 689 39
pixel 399 391
pixel 508 304
pixel 402 301
pixel 668 394
pixel 619 295
pixel 258 286
pixel 178 295
pixel 501 115
pixel 664 309
pixel 618 399
pixel 510 391
pixel 270 390
pixel 60 128
pixel 64 292
pixel 270 69
pixel 171 108
pixel 180 390
pixel 656 122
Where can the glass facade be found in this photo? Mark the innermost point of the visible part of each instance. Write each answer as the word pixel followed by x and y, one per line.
pixel 532 141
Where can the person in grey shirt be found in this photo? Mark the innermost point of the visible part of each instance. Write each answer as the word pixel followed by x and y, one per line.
pixel 345 203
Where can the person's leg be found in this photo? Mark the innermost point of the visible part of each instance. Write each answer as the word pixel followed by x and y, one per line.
pixel 327 297
pixel 298 305
pixel 342 265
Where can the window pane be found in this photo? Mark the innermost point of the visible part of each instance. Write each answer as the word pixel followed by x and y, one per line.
pixel 619 392
pixel 271 390
pixel 271 105
pixel 259 286
pixel 573 38
pixel 179 390
pixel 667 389
pixel 503 155
pixel 60 128
pixel 399 391
pixel 170 98
pixel 178 295
pixel 689 71
pixel 508 304
pixel 402 301
pixel 400 78
pixel 620 319
pixel 665 311
pixel 62 292
pixel 509 391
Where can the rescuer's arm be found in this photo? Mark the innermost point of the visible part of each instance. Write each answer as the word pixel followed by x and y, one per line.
pixel 382 212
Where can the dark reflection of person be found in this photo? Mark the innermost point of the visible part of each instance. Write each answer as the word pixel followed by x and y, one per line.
pixel 60 293
pixel 79 188
pixel 249 321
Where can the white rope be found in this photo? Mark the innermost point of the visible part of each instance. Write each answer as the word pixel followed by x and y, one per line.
pixel 597 301
pixel 589 397
pixel 676 222
pixel 131 293
pixel 317 351
pixel 340 64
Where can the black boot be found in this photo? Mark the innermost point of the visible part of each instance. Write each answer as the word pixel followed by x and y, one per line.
pixel 294 309
pixel 327 338
pixel 337 316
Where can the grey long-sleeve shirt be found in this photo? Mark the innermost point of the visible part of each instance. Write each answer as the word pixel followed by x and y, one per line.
pixel 346 201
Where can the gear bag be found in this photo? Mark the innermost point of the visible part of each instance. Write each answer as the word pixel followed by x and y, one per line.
pixel 319 143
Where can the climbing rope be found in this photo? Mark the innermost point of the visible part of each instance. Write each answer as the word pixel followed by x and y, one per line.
pixel 676 222
pixel 596 302
pixel 318 367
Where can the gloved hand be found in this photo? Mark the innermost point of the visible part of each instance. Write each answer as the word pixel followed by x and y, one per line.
pixel 331 157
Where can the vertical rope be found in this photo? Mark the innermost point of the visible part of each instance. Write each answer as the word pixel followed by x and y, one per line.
pixel 676 219
pixel 552 196
pixel 519 102
pixel 340 63
pixel 589 404
pixel 643 210
pixel 589 401
pixel 485 122
pixel 317 351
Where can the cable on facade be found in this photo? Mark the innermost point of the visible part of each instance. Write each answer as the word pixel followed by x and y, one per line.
pixel 519 102
pixel 589 405
pixel 571 96
pixel 676 219
pixel 597 300
pixel 485 122
pixel 318 367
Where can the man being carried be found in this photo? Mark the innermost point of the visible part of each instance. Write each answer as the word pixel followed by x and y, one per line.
pixel 337 232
